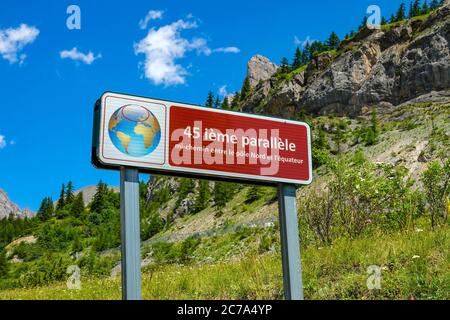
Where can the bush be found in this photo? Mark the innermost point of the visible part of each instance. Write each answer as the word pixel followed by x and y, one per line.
pixel 436 182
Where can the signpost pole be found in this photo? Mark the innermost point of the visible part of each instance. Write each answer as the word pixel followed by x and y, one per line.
pixel 290 243
pixel 130 233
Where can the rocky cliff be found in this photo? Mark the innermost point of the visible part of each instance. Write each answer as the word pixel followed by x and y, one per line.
pixel 403 62
pixel 7 207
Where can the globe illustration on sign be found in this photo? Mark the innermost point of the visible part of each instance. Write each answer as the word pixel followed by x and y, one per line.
pixel 134 130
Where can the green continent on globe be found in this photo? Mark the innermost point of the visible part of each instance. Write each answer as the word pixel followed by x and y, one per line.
pixel 147 132
pixel 124 139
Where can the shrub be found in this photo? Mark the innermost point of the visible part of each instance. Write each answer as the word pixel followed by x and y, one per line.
pixel 436 182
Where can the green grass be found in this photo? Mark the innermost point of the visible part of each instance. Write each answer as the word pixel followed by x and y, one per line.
pixel 414 265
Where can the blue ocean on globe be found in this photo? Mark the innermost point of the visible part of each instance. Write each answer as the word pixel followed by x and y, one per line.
pixel 134 130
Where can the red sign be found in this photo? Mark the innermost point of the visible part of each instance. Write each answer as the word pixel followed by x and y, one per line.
pixel 238 144
pixel 161 136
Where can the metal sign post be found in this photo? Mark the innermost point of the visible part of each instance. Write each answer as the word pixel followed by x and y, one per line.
pixel 290 243
pixel 130 233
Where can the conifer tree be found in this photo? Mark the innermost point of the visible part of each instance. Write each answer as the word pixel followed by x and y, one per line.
pixel 217 103
pixel 401 13
pixel 297 63
pixel 384 21
pixel 245 91
pixel 235 102
pixel 305 54
pixel 203 196
pixel 333 41
pixel 415 9
pixel 100 200
pixel 363 24
pixel 225 104
pixel 425 8
pixel 284 68
pixel 411 10
pixel 69 193
pixel 77 205
pixel 209 100
pixel 223 192
pixel 434 4
pixel 46 209
pixel 392 18
pixel 61 200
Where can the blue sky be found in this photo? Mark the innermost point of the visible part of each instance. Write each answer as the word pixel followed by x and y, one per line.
pixel 48 88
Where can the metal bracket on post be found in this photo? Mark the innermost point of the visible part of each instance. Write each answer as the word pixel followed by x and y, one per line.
pixel 130 234
pixel 290 242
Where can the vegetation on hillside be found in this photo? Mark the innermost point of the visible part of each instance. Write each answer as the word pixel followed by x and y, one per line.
pixel 380 197
pixel 355 200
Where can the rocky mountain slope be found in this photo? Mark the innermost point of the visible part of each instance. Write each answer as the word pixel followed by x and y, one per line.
pixel 404 62
pixel 7 207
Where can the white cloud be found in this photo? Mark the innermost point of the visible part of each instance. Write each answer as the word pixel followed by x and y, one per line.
pixel 13 40
pixel 228 50
pixel 164 46
pixel 2 142
pixel 76 55
pixel 303 43
pixel 223 91
pixel 151 15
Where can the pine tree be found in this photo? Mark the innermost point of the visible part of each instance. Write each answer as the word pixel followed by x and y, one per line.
pixel 245 91
pixel 401 13
pixel 392 18
pixel 46 209
pixel 235 102
pixel 411 10
pixel 434 4
pixel 415 9
pixel 69 193
pixel 61 200
pixel 77 205
pixel 425 8
pixel 363 24
pixel 100 200
pixel 203 196
pixel 225 104
pixel 384 21
pixel 297 63
pixel 223 193
pixel 306 58
pixel 209 100
pixel 284 68
pixel 333 41
pixel 217 103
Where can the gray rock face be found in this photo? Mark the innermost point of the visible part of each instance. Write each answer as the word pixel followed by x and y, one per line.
pixel 7 207
pixel 260 68
pixel 378 67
